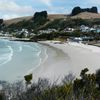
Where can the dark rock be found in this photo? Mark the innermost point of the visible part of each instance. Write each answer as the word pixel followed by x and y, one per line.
pixel 77 10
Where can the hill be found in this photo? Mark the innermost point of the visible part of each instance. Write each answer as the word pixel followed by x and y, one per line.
pixel 55 21
pixel 87 15
pixel 16 20
pixel 50 17
pixel 83 15
pixel 57 16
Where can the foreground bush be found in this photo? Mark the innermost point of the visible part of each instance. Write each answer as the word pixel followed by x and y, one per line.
pixel 28 78
pixel 84 88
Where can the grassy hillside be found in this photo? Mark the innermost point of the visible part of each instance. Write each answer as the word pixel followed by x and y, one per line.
pixel 57 21
pixel 87 15
pixel 84 15
pixel 16 20
pixel 50 17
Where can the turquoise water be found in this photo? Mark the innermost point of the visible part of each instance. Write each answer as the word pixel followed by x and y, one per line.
pixel 19 58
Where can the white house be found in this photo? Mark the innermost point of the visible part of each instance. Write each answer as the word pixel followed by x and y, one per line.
pixel 92 29
pixel 84 28
pixel 25 32
pixel 81 39
pixel 68 30
pixel 47 31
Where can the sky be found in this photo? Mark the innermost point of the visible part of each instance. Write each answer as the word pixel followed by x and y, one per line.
pixel 18 8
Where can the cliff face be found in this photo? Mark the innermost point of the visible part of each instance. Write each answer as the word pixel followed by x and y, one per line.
pixel 77 10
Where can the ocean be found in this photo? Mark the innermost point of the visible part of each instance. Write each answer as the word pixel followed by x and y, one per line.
pixel 19 58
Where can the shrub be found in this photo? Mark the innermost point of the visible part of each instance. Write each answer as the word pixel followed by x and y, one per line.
pixel 28 78
pixel 98 77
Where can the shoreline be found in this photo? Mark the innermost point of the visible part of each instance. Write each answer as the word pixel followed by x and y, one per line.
pixel 52 68
pixel 17 39
pixel 70 58
pixel 65 58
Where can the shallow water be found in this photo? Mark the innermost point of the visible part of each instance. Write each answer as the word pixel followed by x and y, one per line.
pixel 19 58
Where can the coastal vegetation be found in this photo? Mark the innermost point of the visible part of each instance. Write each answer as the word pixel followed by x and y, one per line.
pixel 59 24
pixel 87 87
pixel 40 17
pixel 62 24
pixel 28 78
pixel 1 23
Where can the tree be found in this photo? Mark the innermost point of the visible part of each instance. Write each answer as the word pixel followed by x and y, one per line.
pixel 76 11
pixel 98 77
pixel 1 21
pixel 94 10
pixel 40 16
pixel 1 96
pixel 28 78
pixel 86 86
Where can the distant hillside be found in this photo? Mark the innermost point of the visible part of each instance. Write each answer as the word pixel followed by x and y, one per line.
pixel 16 20
pixel 84 15
pixel 50 17
pixel 87 15
pixel 57 16
pixel 77 12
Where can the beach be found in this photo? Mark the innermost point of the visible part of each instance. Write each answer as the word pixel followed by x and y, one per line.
pixel 68 58
pixel 52 68
pixel 46 59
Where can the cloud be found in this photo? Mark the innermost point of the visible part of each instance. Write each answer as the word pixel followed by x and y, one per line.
pixel 11 9
pixel 47 2
pixel 58 10
pixel 95 1
pixel 7 16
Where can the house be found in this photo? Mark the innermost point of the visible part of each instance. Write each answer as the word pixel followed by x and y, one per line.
pixel 95 28
pixel 81 39
pixel 32 34
pixel 1 33
pixel 84 28
pixel 75 39
pixel 25 32
pixel 68 30
pixel 92 29
pixel 47 31
pixel 98 30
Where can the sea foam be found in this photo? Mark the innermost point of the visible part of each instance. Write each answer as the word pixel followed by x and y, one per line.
pixel 5 58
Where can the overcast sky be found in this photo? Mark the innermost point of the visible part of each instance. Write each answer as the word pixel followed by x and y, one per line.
pixel 16 8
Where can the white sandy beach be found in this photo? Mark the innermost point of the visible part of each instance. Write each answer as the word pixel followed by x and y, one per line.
pixel 68 58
